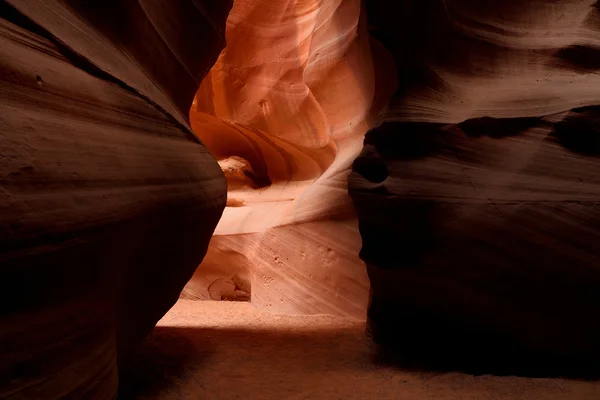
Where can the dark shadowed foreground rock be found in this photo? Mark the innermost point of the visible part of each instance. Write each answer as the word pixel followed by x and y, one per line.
pixel 478 197
pixel 107 200
pixel 484 248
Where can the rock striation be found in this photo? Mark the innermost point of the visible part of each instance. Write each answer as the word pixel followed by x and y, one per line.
pixel 107 199
pixel 477 193
pixel 284 110
pixel 130 134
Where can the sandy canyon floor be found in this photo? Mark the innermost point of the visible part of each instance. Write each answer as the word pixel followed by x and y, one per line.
pixel 228 350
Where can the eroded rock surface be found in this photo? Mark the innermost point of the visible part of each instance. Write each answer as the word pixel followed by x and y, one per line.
pixel 478 194
pixel 284 110
pixel 463 59
pixel 476 190
pixel 107 199
pixel 291 108
pixel 482 242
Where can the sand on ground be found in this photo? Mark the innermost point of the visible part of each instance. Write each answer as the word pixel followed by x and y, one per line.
pixel 229 350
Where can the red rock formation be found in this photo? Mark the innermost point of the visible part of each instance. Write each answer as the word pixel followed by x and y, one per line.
pixel 475 190
pixel 285 109
pixel 107 200
pixel 481 239
pixel 462 59
pixel 493 69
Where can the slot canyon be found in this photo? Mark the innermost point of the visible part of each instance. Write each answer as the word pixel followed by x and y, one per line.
pixel 286 199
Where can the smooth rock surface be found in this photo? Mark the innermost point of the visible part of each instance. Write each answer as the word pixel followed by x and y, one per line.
pixel 463 59
pixel 483 245
pixel 284 110
pixel 310 268
pixel 483 237
pixel 478 192
pixel 107 200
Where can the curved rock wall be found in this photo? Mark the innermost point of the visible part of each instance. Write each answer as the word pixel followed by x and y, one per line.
pixel 281 116
pixel 107 200
pixel 462 59
pixel 284 110
pixel 476 191
pixel 478 195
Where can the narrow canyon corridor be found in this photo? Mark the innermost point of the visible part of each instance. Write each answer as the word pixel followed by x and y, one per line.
pixel 285 199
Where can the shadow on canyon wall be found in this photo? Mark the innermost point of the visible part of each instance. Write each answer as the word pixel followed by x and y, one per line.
pixel 481 243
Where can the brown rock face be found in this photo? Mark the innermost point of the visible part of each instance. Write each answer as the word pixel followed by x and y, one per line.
pixel 472 153
pixel 478 195
pixel 463 59
pixel 481 244
pixel 107 200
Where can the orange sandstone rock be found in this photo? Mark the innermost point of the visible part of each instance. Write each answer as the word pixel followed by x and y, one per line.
pixel 292 95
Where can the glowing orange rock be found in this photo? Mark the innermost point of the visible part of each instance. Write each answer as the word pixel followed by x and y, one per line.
pixel 288 102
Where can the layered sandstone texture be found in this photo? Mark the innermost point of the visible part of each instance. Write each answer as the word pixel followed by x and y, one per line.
pixel 107 199
pixel 478 193
pixel 463 59
pixel 284 110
